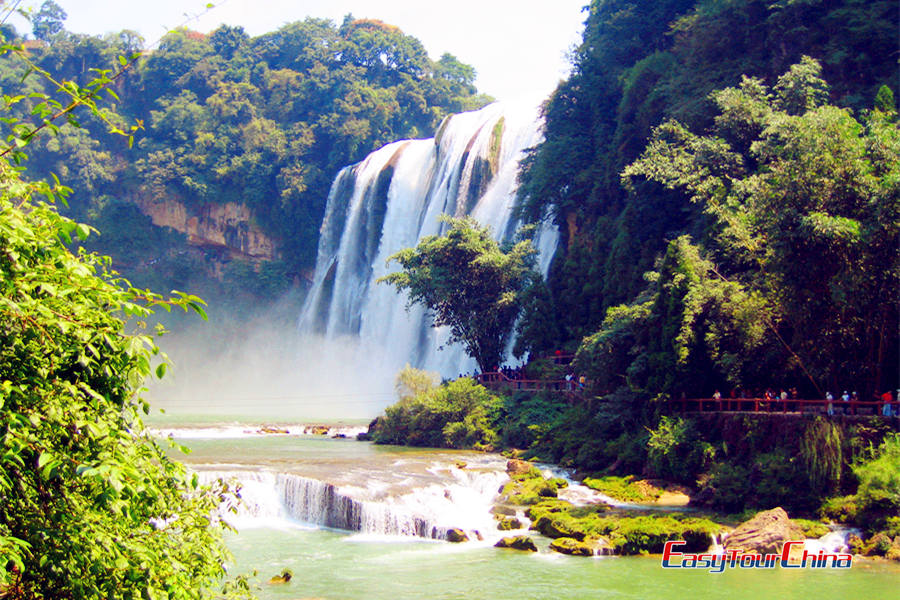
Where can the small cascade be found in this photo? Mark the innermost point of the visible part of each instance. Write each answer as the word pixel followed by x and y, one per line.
pixel 426 512
pixel 833 542
pixel 390 201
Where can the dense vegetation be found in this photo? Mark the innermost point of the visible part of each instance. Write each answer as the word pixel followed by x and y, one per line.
pixel 264 122
pixel 785 185
pixel 92 507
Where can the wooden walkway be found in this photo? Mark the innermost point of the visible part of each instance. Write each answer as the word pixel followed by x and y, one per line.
pixel 791 405
pixel 499 382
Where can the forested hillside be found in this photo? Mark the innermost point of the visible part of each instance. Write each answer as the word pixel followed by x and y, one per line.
pixel 242 137
pixel 782 271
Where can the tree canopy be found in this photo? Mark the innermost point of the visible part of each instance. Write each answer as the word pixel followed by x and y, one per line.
pixel 264 121
pixel 470 283
pixel 805 205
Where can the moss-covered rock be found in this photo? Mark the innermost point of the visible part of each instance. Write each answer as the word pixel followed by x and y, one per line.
pixel 456 536
pixel 625 489
pixel 566 545
pixel 528 488
pixel 509 524
pixel 519 542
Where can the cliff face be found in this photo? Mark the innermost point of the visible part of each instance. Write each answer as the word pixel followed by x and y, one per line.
pixel 226 228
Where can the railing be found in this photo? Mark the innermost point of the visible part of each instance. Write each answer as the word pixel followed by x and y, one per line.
pixel 791 405
pixel 495 381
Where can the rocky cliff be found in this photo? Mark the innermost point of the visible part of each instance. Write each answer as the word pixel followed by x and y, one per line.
pixel 227 228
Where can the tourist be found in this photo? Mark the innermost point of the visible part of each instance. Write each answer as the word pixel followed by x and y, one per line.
pixel 887 399
pixel 845 397
pixel 830 399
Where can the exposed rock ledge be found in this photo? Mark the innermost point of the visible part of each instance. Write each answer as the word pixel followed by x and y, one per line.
pixel 228 226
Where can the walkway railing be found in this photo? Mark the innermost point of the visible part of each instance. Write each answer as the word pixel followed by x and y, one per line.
pixel 791 405
pixel 497 381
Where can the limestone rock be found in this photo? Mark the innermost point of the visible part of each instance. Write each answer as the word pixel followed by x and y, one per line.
pixel 765 533
pixel 518 467
pixel 519 542
pixel 457 535
pixel 571 546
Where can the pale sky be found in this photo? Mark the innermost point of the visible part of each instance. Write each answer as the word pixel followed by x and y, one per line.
pixel 518 47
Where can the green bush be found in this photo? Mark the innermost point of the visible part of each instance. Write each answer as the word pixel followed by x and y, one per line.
pixel 458 414
pixel 675 450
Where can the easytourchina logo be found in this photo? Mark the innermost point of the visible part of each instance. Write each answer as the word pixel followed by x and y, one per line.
pixel 790 558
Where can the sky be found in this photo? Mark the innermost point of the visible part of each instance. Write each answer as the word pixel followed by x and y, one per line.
pixel 519 48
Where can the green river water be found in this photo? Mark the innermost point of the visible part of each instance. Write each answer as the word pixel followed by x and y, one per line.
pixel 337 565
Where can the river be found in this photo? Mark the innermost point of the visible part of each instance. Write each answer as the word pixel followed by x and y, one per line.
pixel 298 486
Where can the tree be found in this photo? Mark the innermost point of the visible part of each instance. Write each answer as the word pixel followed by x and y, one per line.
pixel 48 21
pixel 470 283
pixel 807 205
pixel 92 507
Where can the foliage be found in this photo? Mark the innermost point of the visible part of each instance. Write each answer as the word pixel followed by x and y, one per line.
pixel 529 417
pixel 472 285
pixel 822 453
pixel 805 197
pixel 262 121
pixel 640 64
pixel 675 450
pixel 93 507
pixel 879 479
pixel 458 414
pixel 411 382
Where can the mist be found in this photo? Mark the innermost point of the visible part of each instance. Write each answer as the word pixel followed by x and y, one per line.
pixel 253 363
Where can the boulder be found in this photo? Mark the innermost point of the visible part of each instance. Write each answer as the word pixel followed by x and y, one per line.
pixel 765 533
pixel 554 527
pixel 457 535
pixel 519 542
pixel 515 466
pixel 571 546
pixel 509 524
pixel 502 509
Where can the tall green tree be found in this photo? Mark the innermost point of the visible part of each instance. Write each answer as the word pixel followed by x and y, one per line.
pixel 470 283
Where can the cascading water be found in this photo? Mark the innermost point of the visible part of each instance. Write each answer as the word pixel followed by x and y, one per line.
pixel 462 500
pixel 390 201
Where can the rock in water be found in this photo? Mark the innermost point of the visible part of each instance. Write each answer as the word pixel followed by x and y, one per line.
pixel 571 546
pixel 508 524
pixel 285 577
pixel 765 533
pixel 456 536
pixel 518 467
pixel 519 542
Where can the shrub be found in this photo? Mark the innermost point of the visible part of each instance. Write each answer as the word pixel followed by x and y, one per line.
pixel 458 414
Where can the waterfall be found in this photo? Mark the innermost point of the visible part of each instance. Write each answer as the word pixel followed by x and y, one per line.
pixel 425 512
pixel 390 201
